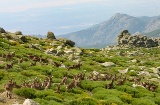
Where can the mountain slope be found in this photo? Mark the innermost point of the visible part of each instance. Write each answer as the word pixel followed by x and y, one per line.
pixel 106 32
pixel 155 33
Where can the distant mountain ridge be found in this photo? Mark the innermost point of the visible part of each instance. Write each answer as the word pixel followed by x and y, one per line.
pixel 106 33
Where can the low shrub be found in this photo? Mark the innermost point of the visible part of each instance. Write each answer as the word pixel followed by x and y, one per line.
pixel 113 101
pixel 126 98
pixel 141 101
pixel 48 102
pixel 26 92
pixel 1 75
pixel 84 101
pixel 90 85
pixel 53 98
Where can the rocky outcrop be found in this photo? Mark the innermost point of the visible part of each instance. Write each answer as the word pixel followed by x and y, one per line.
pixel 136 40
pixel 50 35
pixel 2 30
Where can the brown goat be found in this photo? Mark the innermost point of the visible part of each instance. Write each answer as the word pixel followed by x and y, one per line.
pixel 121 82
pixel 64 81
pixel 10 56
pixel 9 87
pixel 8 66
pixel 3 55
pixel 33 63
pixel 71 85
pixel 110 85
pixel 20 60
pixel 56 64
pixel 49 82
pixel 58 88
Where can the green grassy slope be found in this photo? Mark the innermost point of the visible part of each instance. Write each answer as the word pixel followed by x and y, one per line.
pixel 87 92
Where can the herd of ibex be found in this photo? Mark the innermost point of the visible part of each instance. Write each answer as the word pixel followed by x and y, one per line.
pixel 9 57
pixel 46 84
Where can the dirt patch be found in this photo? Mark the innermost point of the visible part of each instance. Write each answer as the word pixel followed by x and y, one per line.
pixel 4 100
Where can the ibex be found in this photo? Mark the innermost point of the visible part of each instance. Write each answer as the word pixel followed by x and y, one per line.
pixel 9 87
pixel 8 66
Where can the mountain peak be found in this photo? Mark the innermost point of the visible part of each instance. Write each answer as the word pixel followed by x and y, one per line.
pixel 118 15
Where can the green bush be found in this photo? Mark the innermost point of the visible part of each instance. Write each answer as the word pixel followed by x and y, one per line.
pixel 126 98
pixel 26 92
pixel 130 90
pixel 1 66
pixel 1 74
pixel 113 101
pixel 157 100
pixel 141 101
pixel 48 102
pixel 84 101
pixel 29 73
pixel 90 85
pixel 53 98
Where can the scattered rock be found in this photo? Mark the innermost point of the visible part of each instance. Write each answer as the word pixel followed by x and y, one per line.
pixel 30 102
pixel 108 64
pixel 69 51
pixel 123 71
pixel 51 51
pixel 35 46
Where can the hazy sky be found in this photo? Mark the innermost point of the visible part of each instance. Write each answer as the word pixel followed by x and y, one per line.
pixel 64 16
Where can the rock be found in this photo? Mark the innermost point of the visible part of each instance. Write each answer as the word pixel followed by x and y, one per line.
pixel 2 100
pixel 23 38
pixel 50 35
pixel 67 42
pixel 78 51
pixel 134 60
pixel 30 102
pixel 35 46
pixel 69 52
pixel 18 33
pixel 2 30
pixel 136 40
pixel 59 47
pixel 51 51
pixel 108 64
pixel 59 53
pixel 155 70
pixel 123 71
pixel 71 57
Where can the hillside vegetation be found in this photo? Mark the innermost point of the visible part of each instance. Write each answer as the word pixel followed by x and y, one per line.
pixel 53 72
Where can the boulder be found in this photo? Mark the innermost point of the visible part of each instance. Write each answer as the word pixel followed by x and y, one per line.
pixel 50 35
pixel 69 52
pixel 23 38
pixel 30 102
pixel 2 30
pixel 108 64
pixel 18 33
pixel 67 42
pixel 59 53
pixel 51 51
